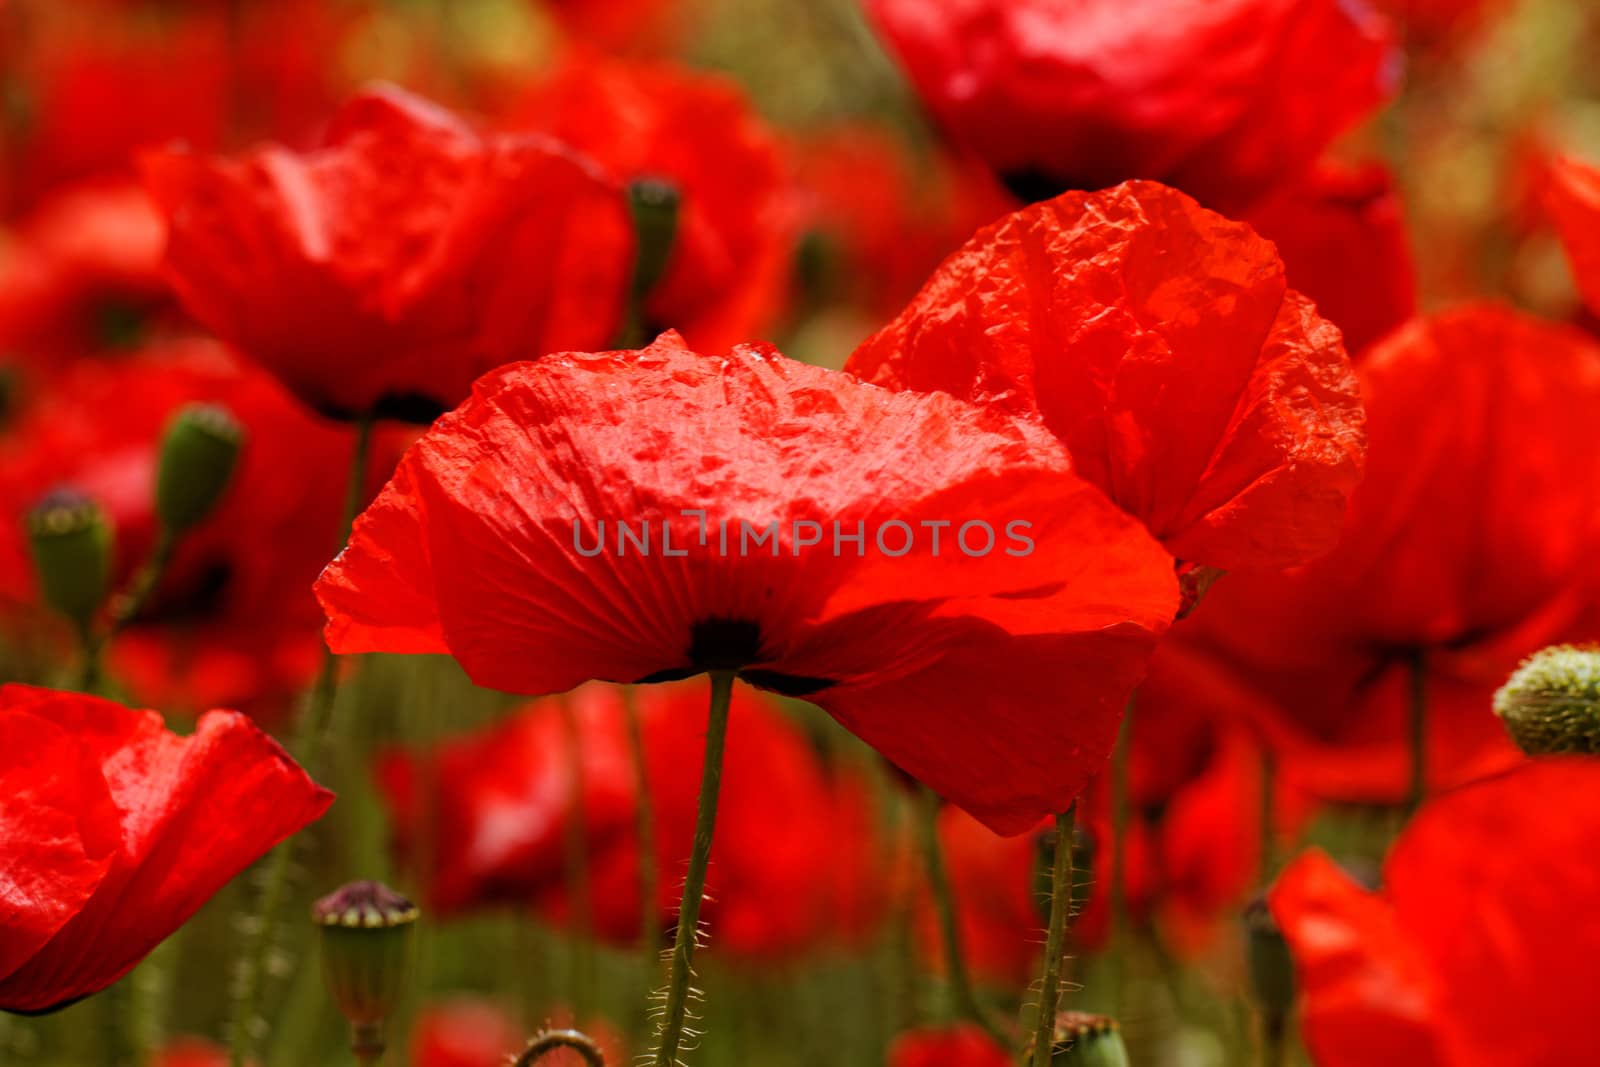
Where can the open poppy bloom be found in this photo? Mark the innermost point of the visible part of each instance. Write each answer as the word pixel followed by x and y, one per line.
pixel 963 1045
pixel 726 278
pixel 1334 216
pixel 1160 343
pixel 1468 547
pixel 82 275
pixel 117 831
pixel 1573 195
pixel 232 621
pixel 791 513
pixel 492 812
pixel 1473 951
pixel 1222 100
pixel 380 273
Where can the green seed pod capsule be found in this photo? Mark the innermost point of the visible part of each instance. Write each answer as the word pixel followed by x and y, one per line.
pixel 1551 703
pixel 198 456
pixel 1084 1040
pixel 366 935
pixel 70 539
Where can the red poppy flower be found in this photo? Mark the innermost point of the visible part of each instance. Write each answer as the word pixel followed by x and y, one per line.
pixel 83 274
pixel 233 621
pixel 508 247
pixel 485 546
pixel 495 828
pixel 727 275
pixel 884 217
pixel 963 1045
pixel 652 27
pixel 1223 100
pixel 1337 216
pixel 117 831
pixel 1477 950
pixel 191 1052
pixel 1461 548
pixel 1160 343
pixel 465 1032
pixel 1572 190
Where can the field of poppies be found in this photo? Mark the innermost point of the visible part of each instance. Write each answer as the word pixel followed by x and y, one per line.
pixel 745 533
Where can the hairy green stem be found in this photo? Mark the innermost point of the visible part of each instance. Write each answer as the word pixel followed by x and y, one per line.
pixel 677 996
pixel 644 828
pixel 1055 939
pixel 963 999
pixel 309 741
pixel 551 1040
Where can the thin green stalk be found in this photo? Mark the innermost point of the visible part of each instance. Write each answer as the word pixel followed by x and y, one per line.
pixel 309 741
pixel 132 600
pixel 1055 940
pixel 694 886
pixel 963 1000
pixel 576 859
pixel 1418 721
pixel 644 829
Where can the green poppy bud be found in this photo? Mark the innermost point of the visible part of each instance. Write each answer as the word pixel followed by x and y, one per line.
pixel 70 539
pixel 1551 703
pixel 653 203
pixel 366 935
pixel 1271 968
pixel 198 456
pixel 1084 1040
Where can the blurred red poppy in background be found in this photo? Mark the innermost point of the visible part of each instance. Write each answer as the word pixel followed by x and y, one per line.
pixel 1477 949
pixel 1343 240
pixel 1572 191
pixel 116 831
pixel 879 218
pixel 490 813
pixel 479 548
pixel 80 275
pixel 1222 100
pixel 190 1052
pixel 1468 546
pixel 963 1045
pixel 727 275
pixel 382 272
pixel 465 1032
pixel 1160 343
pixel 233 621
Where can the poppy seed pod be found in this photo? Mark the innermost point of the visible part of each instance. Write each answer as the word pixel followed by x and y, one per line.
pixel 70 540
pixel 1551 703
pixel 366 957
pixel 1084 1040
pixel 198 457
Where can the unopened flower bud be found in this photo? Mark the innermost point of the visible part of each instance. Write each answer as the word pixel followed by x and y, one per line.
pixel 653 203
pixel 198 456
pixel 366 934
pixel 1551 703
pixel 70 538
pixel 1084 1040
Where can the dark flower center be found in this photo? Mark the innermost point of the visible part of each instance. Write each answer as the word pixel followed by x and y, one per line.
pixel 729 645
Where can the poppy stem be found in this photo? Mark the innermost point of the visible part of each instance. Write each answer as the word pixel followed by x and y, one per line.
pixel 674 1014
pixel 260 927
pixel 576 860
pixel 550 1040
pixel 644 816
pixel 132 600
pixel 1060 904
pixel 1419 732
pixel 963 1000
